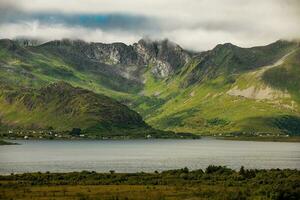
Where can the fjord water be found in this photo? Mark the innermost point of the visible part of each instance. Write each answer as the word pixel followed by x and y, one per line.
pixel 144 155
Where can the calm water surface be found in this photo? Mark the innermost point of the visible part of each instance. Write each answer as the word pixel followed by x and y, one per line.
pixel 144 155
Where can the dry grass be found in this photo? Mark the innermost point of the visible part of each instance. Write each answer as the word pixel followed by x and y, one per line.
pixel 100 192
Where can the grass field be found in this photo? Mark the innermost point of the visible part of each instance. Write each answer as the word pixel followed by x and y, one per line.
pixel 216 182
pixel 120 192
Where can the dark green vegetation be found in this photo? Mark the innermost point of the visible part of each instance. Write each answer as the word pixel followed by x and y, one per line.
pixel 229 59
pixel 228 90
pixel 286 76
pixel 263 138
pixel 61 109
pixel 215 182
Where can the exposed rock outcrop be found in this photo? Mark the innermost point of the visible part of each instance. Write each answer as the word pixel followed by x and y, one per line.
pixel 164 57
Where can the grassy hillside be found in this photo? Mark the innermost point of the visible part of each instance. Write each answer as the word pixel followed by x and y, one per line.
pixel 238 101
pixel 38 67
pixel 226 90
pixel 228 59
pixel 61 107
pixel 286 76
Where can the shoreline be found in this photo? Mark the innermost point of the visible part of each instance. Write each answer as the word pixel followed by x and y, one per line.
pixel 10 174
pixel 96 139
pixel 3 142
pixel 294 139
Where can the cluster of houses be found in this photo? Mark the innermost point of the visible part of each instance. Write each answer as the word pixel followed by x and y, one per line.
pixel 40 134
pixel 36 134
pixel 260 134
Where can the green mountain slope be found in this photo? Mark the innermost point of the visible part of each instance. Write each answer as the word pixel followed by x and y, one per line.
pixel 286 75
pixel 63 107
pixel 228 59
pixel 228 96
pixel 37 67
pixel 225 90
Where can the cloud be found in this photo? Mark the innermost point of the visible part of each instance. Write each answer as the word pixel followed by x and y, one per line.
pixel 45 32
pixel 194 24
pixel 104 21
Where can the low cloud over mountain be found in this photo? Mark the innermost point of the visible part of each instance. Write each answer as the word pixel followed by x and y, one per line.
pixel 194 24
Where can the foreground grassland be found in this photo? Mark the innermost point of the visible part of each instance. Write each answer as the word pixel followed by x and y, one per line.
pixel 215 182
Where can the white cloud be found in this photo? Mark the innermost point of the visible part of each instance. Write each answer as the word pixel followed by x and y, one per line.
pixel 45 32
pixel 195 24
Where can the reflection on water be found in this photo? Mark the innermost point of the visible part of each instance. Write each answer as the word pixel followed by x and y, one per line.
pixel 145 155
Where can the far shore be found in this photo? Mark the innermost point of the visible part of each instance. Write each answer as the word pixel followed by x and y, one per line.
pixel 233 138
pixel 3 142
pixel 262 139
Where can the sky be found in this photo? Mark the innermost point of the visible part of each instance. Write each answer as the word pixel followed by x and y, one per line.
pixel 193 24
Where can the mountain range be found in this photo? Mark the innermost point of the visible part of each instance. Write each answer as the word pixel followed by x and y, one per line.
pixel 119 88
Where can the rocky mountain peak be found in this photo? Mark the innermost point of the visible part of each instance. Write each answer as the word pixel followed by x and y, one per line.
pixel 165 56
pixel 8 44
pixel 28 42
pixel 66 42
pixel 113 54
pixel 225 47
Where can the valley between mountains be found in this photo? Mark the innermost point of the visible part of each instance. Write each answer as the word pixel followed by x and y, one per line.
pixel 150 88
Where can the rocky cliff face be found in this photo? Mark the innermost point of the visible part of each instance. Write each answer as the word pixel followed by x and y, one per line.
pixel 112 54
pixel 27 42
pixel 164 57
